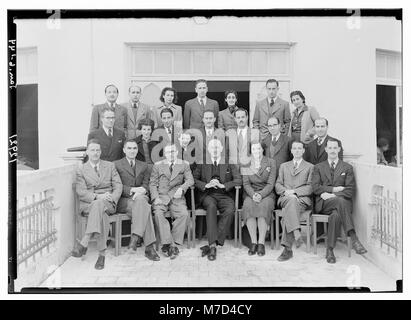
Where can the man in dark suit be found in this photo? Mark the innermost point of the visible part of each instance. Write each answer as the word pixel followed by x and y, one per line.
pixel 194 108
pixel 136 110
pixel 120 111
pixel 111 139
pixel 333 184
pixel 315 150
pixel 99 188
pixel 273 105
pixel 135 176
pixel 277 145
pixel 216 182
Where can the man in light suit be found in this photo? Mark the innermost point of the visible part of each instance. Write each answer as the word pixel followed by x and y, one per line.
pixel 216 183
pixel 276 145
pixel 99 188
pixel 170 179
pixel 333 184
pixel 120 111
pixel 136 110
pixel 111 139
pixel 294 188
pixel 135 176
pixel 208 132
pixel 273 105
pixel 194 108
pixel 315 150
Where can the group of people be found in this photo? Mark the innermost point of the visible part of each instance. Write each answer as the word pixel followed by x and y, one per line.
pixel 143 159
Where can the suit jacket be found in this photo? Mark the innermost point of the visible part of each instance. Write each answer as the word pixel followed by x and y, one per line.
pixel 241 154
pixel 143 112
pixel 140 155
pixel 193 112
pixel 120 112
pixel 229 177
pixel 299 181
pixel 307 124
pixel 311 154
pixel 111 148
pixel 177 115
pixel 88 183
pixel 226 120
pixel 164 184
pixel 262 181
pixel 137 177
pixel 279 151
pixel 262 113
pixel 323 182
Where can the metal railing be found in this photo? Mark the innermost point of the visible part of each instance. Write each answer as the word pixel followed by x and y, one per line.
pixel 387 222
pixel 35 225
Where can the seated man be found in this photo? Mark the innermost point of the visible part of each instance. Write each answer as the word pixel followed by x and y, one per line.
pixel 294 188
pixel 135 176
pixel 169 180
pixel 216 181
pixel 99 187
pixel 333 184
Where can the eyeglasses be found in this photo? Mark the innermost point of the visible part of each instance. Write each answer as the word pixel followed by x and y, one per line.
pixel 272 125
pixel 110 118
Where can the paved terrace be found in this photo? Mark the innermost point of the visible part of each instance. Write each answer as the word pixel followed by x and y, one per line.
pixel 233 267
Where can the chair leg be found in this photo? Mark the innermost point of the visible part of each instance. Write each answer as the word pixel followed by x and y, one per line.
pixel 236 226
pixel 193 226
pixel 272 234
pixel 188 230
pixel 308 234
pixel 315 235
pixel 240 235
pixel 117 237
pixel 349 245
pixel 277 232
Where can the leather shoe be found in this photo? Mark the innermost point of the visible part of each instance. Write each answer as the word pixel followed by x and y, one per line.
pixel 173 252
pixel 151 254
pixel 299 242
pixel 165 249
pixel 205 250
pixel 79 251
pixel 358 247
pixel 253 249
pixel 287 254
pixel 100 263
pixel 330 256
pixel 212 255
pixel 261 250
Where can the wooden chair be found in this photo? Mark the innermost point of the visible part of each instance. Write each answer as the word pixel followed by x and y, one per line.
pixel 306 220
pixel 324 219
pixel 202 212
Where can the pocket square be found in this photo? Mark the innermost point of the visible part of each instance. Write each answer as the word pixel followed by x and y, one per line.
pixel 343 174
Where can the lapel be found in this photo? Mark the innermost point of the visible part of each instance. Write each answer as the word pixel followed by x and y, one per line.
pixel 327 170
pixel 322 148
pixel 176 170
pixel 276 106
pixel 102 171
pixel 127 167
pixel 263 167
pixel 301 167
pixel 277 147
pixel 223 170
pixel 338 169
pixel 130 112
pixel 166 169
pixel 91 173
pixel 266 106
pixel 207 172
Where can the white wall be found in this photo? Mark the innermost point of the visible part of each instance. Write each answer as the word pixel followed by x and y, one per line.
pixel 333 66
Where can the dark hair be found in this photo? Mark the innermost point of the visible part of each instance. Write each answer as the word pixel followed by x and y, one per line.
pixel 332 140
pixel 200 81
pixel 226 93
pixel 382 142
pixel 274 117
pixel 163 92
pixel 129 140
pixel 297 93
pixel 241 109
pixel 298 141
pixel 165 110
pixel 145 122
pixel 272 81
pixel 108 86
pixel 95 141
pixel 322 118
pixel 105 109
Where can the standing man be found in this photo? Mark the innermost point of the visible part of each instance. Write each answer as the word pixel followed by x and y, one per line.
pixel 271 106
pixel 170 179
pixel 277 145
pixel 194 109
pixel 98 187
pixel 136 110
pixel 120 111
pixel 294 188
pixel 315 150
pixel 216 182
pixel 333 184
pixel 135 176
pixel 111 139
pixel 209 132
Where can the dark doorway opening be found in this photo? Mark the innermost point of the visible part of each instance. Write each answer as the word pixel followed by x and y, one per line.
pixel 386 118
pixel 216 89
pixel 27 126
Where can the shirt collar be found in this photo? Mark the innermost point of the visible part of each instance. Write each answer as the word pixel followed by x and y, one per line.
pixel 242 131
pixel 106 130
pixel 276 137
pixel 209 130
pixel 269 99
pixel 137 103
pixel 298 162
pixel 111 103
pixel 335 162
pixel 218 160
pixel 95 165
pixel 322 139
pixel 129 161
pixel 204 100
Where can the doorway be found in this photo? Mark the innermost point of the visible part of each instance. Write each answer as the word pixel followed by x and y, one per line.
pixel 216 89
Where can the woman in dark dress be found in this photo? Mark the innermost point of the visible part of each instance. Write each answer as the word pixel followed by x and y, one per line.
pixel 144 142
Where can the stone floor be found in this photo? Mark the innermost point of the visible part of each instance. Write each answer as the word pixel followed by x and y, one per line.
pixel 233 268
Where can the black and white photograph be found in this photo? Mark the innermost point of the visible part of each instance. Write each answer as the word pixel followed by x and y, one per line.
pixel 206 150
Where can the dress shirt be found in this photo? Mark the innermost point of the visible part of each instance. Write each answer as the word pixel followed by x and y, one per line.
pixel 276 137
pixel 204 100
pixel 335 162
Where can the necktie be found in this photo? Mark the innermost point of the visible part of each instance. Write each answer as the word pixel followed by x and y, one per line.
pixel 271 102
pixel 295 166
pixel 134 105
pixel 171 167
pixel 319 141
pixel 202 103
pixel 96 170
pixel 332 170
pixel 132 164
pixel 215 163
pixel 134 111
pixel 110 132
pixel 112 106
